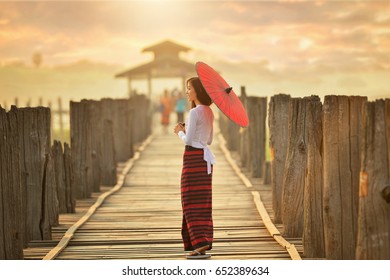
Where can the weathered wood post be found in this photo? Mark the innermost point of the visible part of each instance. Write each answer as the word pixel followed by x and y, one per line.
pixel 341 165
pixel 278 126
pixel 233 133
pixel 140 118
pixel 108 163
pixel 122 128
pixel 50 210
pixel 11 210
pixel 60 157
pixel 313 232
pixel 70 199
pixel 267 173
pixel 91 157
pixel 222 124
pixel 373 238
pixel 95 144
pixel 79 139
pixel 257 113
pixel 118 112
pixel 34 141
pixel 295 169
pixel 230 131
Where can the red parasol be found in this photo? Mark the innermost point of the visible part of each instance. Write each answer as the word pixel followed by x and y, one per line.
pixel 222 94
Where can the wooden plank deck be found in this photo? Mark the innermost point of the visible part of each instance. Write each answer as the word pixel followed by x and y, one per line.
pixel 142 220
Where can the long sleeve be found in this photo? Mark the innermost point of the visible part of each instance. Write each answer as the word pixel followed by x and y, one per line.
pixel 190 128
pixel 199 132
pixel 210 140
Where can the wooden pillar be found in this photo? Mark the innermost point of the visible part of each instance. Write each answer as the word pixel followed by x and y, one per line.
pixel 373 239
pixel 94 113
pixel 278 125
pixel 60 178
pixel 12 216
pixel 78 144
pixel 50 211
pixel 341 162
pixel 295 170
pixel 118 111
pixel 34 141
pixel 70 199
pixel 313 233
pixel 257 111
pixel 109 173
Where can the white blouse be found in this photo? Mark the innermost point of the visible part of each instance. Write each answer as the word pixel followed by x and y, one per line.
pixel 199 132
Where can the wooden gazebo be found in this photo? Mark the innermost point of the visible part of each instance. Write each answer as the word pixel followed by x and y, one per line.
pixel 166 64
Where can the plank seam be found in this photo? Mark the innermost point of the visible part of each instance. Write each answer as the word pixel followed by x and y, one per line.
pixel 53 253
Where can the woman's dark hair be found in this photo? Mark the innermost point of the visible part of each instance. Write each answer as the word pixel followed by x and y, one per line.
pixel 201 93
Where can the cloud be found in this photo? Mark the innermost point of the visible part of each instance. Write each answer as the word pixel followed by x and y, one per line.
pixel 259 42
pixel 238 30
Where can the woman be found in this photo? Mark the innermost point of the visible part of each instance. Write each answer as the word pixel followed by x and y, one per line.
pixel 196 178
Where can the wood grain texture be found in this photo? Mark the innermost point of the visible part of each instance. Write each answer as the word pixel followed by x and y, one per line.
pixel 295 169
pixel 373 239
pixel 278 125
pixel 313 231
pixel 341 174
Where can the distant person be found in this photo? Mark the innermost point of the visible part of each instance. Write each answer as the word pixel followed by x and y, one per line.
pixel 165 109
pixel 181 106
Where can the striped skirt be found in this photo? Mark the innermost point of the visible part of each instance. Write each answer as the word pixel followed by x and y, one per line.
pixel 196 199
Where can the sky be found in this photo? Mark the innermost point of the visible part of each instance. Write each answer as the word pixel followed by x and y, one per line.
pixel 296 47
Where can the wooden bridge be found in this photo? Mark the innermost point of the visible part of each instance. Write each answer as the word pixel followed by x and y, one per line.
pixel 140 218
pixel 323 192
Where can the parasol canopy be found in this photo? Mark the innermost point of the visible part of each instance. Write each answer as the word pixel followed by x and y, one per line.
pixel 222 94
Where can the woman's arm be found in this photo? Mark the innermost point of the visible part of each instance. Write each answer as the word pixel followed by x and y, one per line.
pixel 188 136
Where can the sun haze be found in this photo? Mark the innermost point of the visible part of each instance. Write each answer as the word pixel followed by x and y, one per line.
pixel 296 47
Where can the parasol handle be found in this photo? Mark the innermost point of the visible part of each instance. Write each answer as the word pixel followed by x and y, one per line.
pixel 228 90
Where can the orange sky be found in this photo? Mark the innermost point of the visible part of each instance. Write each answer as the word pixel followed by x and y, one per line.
pixel 296 47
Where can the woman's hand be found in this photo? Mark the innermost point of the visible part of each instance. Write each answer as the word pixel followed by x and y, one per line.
pixel 179 127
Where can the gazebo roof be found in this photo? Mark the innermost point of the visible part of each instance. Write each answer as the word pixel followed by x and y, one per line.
pixel 166 63
pixel 166 46
pixel 163 68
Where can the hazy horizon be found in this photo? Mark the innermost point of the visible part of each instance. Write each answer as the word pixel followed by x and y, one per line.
pixel 299 48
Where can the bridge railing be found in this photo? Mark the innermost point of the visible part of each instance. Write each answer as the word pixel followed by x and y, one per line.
pixel 38 181
pixel 330 173
pixel 251 142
